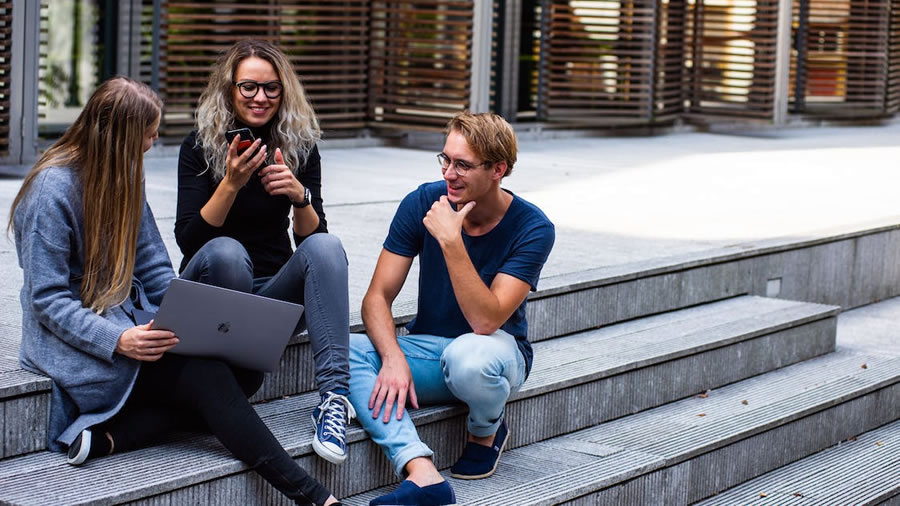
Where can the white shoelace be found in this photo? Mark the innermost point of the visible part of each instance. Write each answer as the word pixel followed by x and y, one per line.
pixel 335 408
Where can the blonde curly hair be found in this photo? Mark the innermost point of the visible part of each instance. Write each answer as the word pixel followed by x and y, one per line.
pixel 295 128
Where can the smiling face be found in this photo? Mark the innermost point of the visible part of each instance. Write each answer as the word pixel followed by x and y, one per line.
pixel 256 111
pixel 477 182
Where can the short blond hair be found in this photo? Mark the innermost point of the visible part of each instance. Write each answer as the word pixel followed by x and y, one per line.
pixel 489 135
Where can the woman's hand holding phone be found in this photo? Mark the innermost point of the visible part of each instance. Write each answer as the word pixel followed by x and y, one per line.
pixel 144 343
pixel 239 167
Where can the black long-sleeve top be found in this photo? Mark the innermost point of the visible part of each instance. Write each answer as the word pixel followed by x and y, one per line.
pixel 257 220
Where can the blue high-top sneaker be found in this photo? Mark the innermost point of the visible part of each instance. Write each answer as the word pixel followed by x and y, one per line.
pixel 330 418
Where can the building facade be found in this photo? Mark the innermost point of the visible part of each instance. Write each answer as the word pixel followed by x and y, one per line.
pixel 374 67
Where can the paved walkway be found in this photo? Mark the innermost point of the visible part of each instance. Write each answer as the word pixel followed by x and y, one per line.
pixel 614 200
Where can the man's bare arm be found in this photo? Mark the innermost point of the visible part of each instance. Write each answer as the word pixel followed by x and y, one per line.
pixel 485 308
pixel 394 382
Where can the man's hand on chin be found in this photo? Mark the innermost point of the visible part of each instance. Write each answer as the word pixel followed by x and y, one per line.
pixel 445 224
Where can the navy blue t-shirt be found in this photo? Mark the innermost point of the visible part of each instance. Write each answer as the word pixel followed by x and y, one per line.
pixel 517 246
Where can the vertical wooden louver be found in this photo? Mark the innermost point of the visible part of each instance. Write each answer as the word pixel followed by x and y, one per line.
pixel 421 60
pixel 731 60
pixel 892 101
pixel 840 57
pixel 669 61
pixel 326 40
pixel 867 53
pixel 5 71
pixel 598 62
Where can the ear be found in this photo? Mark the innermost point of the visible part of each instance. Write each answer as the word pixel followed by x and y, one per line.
pixel 499 171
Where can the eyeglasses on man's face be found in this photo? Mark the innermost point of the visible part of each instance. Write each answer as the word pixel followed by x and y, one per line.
pixel 249 89
pixel 459 166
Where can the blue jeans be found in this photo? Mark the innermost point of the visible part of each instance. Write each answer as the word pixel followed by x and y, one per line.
pixel 481 371
pixel 315 276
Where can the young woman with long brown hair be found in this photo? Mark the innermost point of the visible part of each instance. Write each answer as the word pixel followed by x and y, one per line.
pixel 91 255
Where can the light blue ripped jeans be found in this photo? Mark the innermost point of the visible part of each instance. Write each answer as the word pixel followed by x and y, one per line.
pixel 481 371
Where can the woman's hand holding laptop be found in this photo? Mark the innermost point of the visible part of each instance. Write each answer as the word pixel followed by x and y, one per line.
pixel 144 343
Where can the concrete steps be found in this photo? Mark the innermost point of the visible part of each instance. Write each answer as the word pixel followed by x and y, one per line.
pixel 848 268
pixel 864 470
pixel 691 449
pixel 627 367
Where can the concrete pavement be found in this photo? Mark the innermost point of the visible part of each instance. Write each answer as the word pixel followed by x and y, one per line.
pixel 614 200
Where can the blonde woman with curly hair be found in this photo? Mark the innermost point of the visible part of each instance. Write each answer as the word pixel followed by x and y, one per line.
pixel 93 260
pixel 235 208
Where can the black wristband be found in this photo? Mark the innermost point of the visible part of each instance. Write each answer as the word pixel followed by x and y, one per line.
pixel 306 200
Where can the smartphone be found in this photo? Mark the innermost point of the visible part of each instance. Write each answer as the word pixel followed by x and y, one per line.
pixel 246 138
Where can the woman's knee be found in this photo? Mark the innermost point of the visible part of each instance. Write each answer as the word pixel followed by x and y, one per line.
pixel 223 262
pixel 250 381
pixel 324 249
pixel 206 376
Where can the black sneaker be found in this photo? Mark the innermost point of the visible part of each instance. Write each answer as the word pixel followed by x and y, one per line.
pixel 80 449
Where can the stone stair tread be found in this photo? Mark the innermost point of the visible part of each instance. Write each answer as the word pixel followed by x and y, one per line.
pixel 610 350
pixel 649 339
pixel 614 452
pixel 15 381
pixel 196 458
pixel 860 471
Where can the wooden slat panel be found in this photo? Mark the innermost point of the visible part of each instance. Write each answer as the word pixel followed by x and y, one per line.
pixel 731 60
pixel 670 52
pixel 421 60
pixel 840 57
pixel 892 101
pixel 597 66
pixel 326 40
pixel 5 77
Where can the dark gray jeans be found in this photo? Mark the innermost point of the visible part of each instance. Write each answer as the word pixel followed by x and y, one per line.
pixel 315 276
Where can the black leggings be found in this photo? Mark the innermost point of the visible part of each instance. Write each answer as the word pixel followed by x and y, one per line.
pixel 178 392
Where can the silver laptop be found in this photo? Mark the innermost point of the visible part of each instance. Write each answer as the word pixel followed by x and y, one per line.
pixel 240 328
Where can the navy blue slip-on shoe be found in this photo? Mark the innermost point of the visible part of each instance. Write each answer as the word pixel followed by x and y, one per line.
pixel 410 494
pixel 479 461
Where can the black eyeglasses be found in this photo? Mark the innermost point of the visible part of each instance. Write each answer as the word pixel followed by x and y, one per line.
pixel 459 166
pixel 249 89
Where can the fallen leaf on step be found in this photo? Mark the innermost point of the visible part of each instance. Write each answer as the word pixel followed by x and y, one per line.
pixel 798 494
pixel 851 438
pixel 864 366
pixel 702 414
pixel 744 402
pixel 763 494
pixel 879 443
pixel 703 396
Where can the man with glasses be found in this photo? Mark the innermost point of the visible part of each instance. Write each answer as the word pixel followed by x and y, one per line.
pixel 481 249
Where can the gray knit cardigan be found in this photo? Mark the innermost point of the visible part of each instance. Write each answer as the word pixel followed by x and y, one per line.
pixel 60 338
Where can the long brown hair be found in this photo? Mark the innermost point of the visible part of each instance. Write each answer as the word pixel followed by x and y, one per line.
pixel 105 148
pixel 295 128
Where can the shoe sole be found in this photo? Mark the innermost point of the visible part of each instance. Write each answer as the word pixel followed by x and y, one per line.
pixel 321 450
pixel 84 449
pixel 487 474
